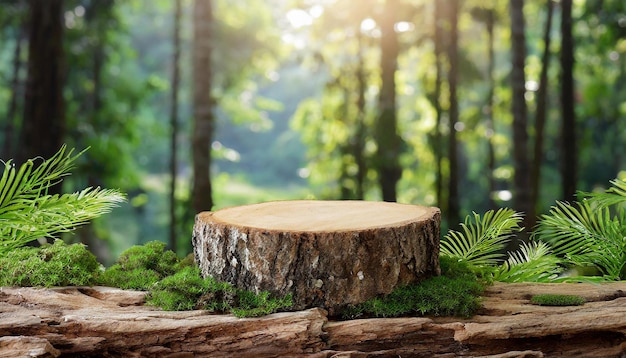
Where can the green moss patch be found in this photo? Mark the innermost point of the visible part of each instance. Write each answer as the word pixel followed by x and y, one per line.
pixel 557 300
pixel 58 264
pixel 141 267
pixel 455 293
pixel 187 290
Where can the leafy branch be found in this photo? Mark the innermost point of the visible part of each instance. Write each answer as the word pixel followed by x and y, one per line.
pixel 28 212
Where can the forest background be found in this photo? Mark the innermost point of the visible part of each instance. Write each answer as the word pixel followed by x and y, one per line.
pixel 466 105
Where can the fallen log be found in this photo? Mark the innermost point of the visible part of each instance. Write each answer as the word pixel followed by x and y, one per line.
pixel 106 322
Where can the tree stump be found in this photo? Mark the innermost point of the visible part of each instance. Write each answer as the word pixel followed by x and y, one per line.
pixel 327 254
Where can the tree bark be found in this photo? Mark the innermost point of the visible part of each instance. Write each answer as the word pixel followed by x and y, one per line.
pixel 203 125
pixel 521 179
pixel 387 138
pixel 43 128
pixel 328 254
pixel 569 173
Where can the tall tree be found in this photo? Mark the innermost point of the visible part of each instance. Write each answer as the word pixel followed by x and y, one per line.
pixel 9 147
pixel 453 114
pixel 43 126
pixel 174 123
pixel 488 16
pixel 540 115
pixel 521 179
pixel 386 133
pixel 203 122
pixel 438 138
pixel 569 149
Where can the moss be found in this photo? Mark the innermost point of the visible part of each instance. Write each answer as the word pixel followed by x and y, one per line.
pixel 58 264
pixel 455 293
pixel 256 305
pixel 141 267
pixel 179 292
pixel 557 300
pixel 187 290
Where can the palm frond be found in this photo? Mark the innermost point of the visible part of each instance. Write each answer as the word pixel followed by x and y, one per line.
pixel 532 262
pixel 585 235
pixel 27 212
pixel 482 240
pixel 615 195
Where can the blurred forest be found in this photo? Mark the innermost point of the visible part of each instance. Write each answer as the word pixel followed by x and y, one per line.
pixel 466 105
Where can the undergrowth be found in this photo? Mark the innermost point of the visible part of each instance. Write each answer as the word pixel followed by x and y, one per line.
pixel 455 293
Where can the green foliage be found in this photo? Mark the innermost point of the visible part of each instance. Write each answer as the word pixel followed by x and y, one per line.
pixel 587 233
pixel 27 212
pixel 533 262
pixel 455 293
pixel 482 239
pixel 557 300
pixel 141 267
pixel 50 265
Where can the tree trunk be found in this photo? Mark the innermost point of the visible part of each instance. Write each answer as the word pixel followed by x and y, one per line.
pixel 203 124
pixel 453 182
pixel 359 140
pixel 569 173
pixel 540 116
pixel 491 126
pixel 388 140
pixel 43 128
pixel 174 124
pixel 438 140
pixel 9 147
pixel 328 254
pixel 521 179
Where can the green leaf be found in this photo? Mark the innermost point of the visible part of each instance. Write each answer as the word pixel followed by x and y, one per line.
pixel 482 240
pixel 586 235
pixel 532 262
pixel 27 212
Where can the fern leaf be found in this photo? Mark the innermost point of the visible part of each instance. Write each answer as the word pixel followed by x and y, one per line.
pixel 481 241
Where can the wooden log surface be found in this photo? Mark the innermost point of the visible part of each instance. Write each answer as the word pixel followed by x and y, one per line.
pixel 327 254
pixel 106 322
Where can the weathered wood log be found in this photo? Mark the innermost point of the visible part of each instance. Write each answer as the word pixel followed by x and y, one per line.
pixel 105 322
pixel 325 254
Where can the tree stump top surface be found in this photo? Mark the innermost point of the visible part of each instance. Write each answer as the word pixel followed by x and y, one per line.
pixel 317 215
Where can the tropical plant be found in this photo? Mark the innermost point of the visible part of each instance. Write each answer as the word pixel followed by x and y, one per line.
pixel 533 262
pixel 590 232
pixel 482 240
pixel 28 212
